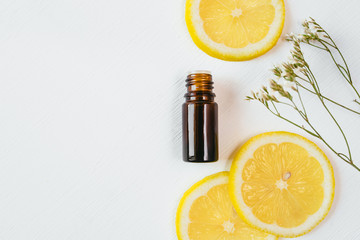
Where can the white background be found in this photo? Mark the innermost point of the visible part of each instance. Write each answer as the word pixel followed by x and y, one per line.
pixel 90 120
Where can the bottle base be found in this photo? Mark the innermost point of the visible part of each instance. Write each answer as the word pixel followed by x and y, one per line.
pixel 193 160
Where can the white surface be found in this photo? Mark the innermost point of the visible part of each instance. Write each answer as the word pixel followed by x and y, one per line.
pixel 90 121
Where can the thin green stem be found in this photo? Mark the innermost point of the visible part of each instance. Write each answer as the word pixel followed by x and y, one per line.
pixel 305 80
pixel 315 46
pixel 353 165
pixel 332 116
pixel 275 108
pixel 318 135
pixel 326 42
pixel 284 103
pixel 342 156
pixel 341 55
pixel 291 122
pixel 315 133
pixel 337 65
pixel 343 59
pixel 346 66
pixel 295 107
pixel 316 88
pixel 355 90
pixel 328 99
pixel 343 69
pixel 301 101
pixel 308 82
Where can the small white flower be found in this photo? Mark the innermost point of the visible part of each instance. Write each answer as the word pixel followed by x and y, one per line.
pixel 285 74
pixel 288 85
pixel 272 93
pixel 291 60
pixel 301 37
pixel 298 71
pixel 263 95
pixel 282 69
pixel 291 35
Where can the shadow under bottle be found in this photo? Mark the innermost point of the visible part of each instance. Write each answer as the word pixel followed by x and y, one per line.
pixel 200 119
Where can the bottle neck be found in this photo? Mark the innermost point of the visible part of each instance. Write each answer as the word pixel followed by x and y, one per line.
pixel 199 87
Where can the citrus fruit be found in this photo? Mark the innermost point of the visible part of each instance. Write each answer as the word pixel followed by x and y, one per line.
pixel 281 183
pixel 205 212
pixel 235 30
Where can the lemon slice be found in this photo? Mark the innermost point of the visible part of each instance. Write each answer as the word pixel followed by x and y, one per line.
pixel 281 183
pixel 235 30
pixel 205 212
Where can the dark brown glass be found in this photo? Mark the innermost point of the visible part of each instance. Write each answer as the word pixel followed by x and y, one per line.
pixel 200 119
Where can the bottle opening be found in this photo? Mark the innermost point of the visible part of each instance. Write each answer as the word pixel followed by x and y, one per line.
pixel 199 72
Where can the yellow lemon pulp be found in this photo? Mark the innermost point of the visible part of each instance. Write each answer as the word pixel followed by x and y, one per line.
pixel 213 215
pixel 284 184
pixel 235 30
pixel 206 213
pixel 236 23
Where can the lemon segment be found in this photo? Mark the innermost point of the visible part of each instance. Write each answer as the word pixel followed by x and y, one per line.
pixel 205 212
pixel 235 30
pixel 281 183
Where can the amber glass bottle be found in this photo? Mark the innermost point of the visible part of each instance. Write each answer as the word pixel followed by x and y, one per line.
pixel 200 119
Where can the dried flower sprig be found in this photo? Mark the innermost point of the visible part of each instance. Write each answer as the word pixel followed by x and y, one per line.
pixel 295 76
